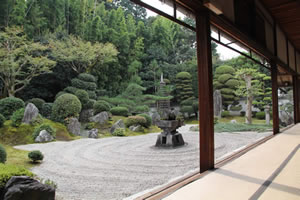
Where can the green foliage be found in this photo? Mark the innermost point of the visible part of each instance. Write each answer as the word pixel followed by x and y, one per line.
pixel 148 120
pixel 119 132
pixel 101 106
pixel 141 109
pixel 225 81
pixel 81 84
pixel 7 171
pixel 46 110
pixel 184 88
pixel 16 118
pixel 69 89
pixel 21 60
pixel 9 105
pixel 2 154
pixel 37 102
pixel 135 120
pixel 2 120
pixel 66 105
pixel 216 120
pixel 83 96
pixel 236 108
pixel 61 93
pixel 239 127
pixel 260 115
pixel 46 127
pixel 187 109
pixel 87 77
pixel 35 156
pixel 120 111
pixel 90 104
pixel 225 114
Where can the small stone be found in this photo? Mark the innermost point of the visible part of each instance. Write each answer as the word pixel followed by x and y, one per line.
pixel 118 124
pixel 233 121
pixel 100 118
pixel 44 136
pixel 30 113
pixel 93 133
pixel 26 188
pixel 74 126
pixel 137 128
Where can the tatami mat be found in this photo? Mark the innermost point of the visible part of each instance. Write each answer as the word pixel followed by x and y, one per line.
pixel 269 171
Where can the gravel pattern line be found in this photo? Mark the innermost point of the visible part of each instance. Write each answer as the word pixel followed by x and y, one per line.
pixel 118 167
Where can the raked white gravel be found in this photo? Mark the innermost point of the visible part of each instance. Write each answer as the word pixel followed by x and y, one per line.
pixel 118 167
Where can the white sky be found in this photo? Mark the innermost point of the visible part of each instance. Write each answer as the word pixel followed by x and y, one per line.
pixel 224 52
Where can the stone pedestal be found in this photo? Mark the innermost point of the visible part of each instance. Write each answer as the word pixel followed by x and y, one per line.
pixel 169 137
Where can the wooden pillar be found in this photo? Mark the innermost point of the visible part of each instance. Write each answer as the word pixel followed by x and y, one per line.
pixel 296 99
pixel 206 116
pixel 275 97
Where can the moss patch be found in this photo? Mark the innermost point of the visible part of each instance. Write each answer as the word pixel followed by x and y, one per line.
pixel 17 157
pixel 62 133
pixel 16 135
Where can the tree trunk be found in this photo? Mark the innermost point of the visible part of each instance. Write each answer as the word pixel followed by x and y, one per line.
pixel 249 100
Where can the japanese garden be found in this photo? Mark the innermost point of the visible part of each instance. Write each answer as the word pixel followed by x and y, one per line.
pixel 87 90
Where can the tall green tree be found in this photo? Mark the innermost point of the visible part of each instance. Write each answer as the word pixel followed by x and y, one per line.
pixel 20 60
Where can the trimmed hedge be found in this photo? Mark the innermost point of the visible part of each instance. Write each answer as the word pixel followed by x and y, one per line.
pixel 80 84
pixel 46 127
pixel 101 106
pixel 119 132
pixel 260 115
pixel 83 96
pixel 2 154
pixel 121 111
pixel 35 156
pixel 148 120
pixel 60 93
pixel 2 120
pixel 16 118
pixel 9 105
pixel 7 171
pixel 86 77
pixel 37 102
pixel 67 105
pixel 225 69
pixel 142 109
pixel 135 120
pixel 225 114
pixel 46 110
pixel 183 75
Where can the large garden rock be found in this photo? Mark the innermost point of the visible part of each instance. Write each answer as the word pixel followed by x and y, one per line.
pixel 85 115
pixel 118 124
pixel 31 112
pixel 74 126
pixel 93 133
pixel 44 136
pixel 137 128
pixel 100 118
pixel 155 118
pixel 26 188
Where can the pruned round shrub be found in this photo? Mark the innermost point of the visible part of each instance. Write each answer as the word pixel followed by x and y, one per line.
pixel 46 127
pixel 119 132
pixel 83 96
pixel 183 75
pixel 60 93
pixel 67 105
pixel 225 69
pixel 260 115
pixel 70 90
pixel 2 154
pixel 37 102
pixel 101 106
pixel 236 108
pixel 9 105
pixel 46 110
pixel 92 94
pixel 89 104
pixel 16 118
pixel 141 109
pixel 224 78
pixel 80 84
pixel 121 111
pixel 2 120
pixel 148 120
pixel 135 120
pixel 225 113
pixel 7 171
pixel 86 77
pixel 35 156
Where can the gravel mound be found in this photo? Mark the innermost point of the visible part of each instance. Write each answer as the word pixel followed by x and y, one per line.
pixel 118 167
